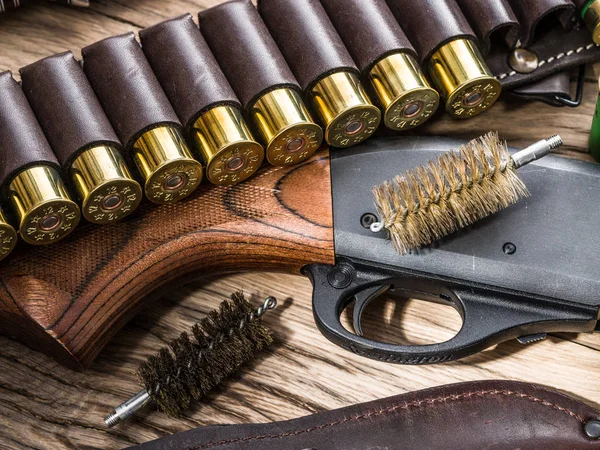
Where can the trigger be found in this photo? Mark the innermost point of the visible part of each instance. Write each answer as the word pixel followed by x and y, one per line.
pixel 362 300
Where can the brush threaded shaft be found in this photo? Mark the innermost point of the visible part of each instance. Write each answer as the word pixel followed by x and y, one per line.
pixel 127 409
pixel 536 151
pixel 458 189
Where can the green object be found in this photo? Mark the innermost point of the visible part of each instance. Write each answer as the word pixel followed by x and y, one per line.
pixel 585 8
pixel 595 133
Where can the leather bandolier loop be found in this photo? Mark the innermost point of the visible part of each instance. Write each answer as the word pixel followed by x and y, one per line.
pixel 271 95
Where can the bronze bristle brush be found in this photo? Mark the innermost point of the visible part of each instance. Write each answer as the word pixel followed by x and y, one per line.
pixel 192 365
pixel 454 191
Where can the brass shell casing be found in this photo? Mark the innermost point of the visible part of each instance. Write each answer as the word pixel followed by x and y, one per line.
pixel 46 212
pixel 169 171
pixel 344 109
pixel 403 92
pixel 286 127
pixel 8 237
pixel 104 185
pixel 229 151
pixel 463 79
pixel 591 17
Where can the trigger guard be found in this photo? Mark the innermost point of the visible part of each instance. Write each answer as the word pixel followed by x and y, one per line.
pixel 490 316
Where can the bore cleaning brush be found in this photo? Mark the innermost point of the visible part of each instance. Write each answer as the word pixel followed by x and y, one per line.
pixel 193 365
pixel 454 191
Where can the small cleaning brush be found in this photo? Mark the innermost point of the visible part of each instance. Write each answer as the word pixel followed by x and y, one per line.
pixel 454 191
pixel 191 366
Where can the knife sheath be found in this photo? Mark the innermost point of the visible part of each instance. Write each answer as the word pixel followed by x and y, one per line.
pixel 493 415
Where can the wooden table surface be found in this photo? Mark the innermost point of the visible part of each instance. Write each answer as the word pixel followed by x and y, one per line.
pixel 46 406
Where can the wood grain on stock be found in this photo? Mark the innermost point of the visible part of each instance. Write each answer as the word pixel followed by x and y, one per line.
pixel 44 405
pixel 71 298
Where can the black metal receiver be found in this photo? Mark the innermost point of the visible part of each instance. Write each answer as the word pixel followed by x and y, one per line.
pixel 529 270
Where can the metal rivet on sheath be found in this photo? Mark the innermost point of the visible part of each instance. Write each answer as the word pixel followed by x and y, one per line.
pixel 523 61
pixel 592 429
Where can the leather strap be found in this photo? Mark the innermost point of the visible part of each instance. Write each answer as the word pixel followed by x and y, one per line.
pixel 126 87
pixel 559 51
pixel 22 141
pixel 491 19
pixel 431 24
pixel 546 90
pixel 186 68
pixel 245 50
pixel 307 38
pixel 495 415
pixel 369 30
pixel 66 107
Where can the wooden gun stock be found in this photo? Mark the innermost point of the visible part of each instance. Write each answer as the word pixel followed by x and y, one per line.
pixel 68 300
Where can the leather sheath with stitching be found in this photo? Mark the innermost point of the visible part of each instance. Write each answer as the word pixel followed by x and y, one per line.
pixel 491 415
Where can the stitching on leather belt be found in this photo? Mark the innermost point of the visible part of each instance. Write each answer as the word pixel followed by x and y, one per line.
pixel 551 59
pixel 383 412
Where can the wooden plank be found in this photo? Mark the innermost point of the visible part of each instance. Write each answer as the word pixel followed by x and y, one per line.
pixel 144 13
pixel 44 405
pixel 31 33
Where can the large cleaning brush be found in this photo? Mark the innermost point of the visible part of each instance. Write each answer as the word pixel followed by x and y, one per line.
pixel 193 365
pixel 454 191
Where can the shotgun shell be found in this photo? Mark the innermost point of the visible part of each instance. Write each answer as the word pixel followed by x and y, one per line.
pixel 402 90
pixel 270 95
pixel 81 137
pixel 286 127
pixel 8 237
pixel 104 184
pixel 344 109
pixel 463 79
pixel 45 210
pixel 169 171
pixel 230 153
